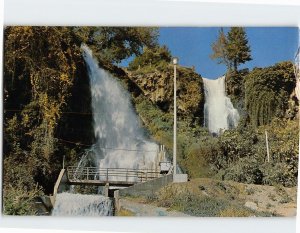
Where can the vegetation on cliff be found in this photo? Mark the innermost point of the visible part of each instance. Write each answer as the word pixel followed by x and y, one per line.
pixel 153 72
pixel 267 92
pixel 47 111
pixel 39 71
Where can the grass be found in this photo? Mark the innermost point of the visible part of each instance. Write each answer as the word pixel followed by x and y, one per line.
pixel 204 206
pixel 250 191
pixel 125 213
pixel 220 199
pixel 284 197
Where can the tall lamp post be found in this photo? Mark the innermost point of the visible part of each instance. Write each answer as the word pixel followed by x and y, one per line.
pixel 175 62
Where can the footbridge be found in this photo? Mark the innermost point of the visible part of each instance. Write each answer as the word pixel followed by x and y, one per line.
pixel 113 180
pixel 109 176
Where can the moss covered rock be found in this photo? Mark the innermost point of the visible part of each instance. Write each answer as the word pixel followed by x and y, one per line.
pixel 267 92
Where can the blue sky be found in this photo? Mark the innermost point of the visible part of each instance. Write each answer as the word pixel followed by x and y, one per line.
pixel 192 45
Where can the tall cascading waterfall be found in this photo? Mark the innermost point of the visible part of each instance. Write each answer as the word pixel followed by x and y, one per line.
pixel 121 142
pixel 219 113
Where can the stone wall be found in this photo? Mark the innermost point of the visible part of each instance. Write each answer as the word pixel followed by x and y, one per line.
pixel 147 188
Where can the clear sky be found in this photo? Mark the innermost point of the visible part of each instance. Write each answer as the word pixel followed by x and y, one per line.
pixel 269 45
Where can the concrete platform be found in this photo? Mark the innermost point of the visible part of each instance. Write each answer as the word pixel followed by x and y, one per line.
pixel 180 178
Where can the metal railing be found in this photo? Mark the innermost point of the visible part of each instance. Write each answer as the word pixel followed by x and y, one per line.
pixel 109 175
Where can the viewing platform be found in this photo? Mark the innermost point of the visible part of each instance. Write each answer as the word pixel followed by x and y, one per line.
pixel 112 176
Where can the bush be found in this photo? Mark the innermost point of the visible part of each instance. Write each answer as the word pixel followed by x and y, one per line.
pixel 19 188
pixel 18 201
pixel 278 173
pixel 241 154
pixel 157 57
pixel 246 170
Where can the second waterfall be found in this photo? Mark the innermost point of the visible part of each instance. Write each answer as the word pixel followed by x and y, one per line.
pixel 219 113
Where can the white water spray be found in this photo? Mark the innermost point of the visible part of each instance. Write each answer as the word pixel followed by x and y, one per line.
pixel 69 204
pixel 120 140
pixel 219 113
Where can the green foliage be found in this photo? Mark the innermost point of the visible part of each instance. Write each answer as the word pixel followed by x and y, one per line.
pixel 238 50
pixel 219 49
pixel 41 58
pixel 159 57
pixel 240 154
pixel 201 158
pixel 19 188
pixel 203 206
pixel 13 137
pixel 158 123
pixel 267 92
pixel 237 143
pixel 113 44
pixel 39 72
pixel 235 89
pixel 243 154
pixel 18 201
pixel 232 49
pixel 245 170
pixel 284 149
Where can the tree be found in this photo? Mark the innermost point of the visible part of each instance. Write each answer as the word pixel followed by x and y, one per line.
pixel 151 56
pixel 113 44
pixel 238 50
pixel 220 50
pixel 39 71
pixel 232 49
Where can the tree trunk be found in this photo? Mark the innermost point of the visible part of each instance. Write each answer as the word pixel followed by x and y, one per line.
pixel 235 65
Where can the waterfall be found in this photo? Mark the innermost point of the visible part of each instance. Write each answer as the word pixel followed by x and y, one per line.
pixel 69 204
pixel 219 113
pixel 120 141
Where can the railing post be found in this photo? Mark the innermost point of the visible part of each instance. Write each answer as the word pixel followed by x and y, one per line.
pixel 106 174
pixel 87 173
pixel 126 175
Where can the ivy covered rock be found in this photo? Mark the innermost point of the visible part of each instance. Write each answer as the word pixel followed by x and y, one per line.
pixel 267 92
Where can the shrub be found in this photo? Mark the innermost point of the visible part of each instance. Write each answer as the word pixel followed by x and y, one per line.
pixel 246 170
pixel 157 57
pixel 19 188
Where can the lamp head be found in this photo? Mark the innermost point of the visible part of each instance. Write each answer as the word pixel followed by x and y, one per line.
pixel 175 60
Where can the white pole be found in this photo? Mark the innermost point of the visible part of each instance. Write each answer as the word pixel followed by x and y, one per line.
pixel 297 91
pixel 175 125
pixel 267 144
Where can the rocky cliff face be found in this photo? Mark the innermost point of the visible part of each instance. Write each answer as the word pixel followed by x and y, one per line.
pixel 158 87
pixel 293 106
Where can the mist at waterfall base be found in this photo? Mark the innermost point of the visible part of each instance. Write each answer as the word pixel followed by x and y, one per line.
pixel 121 142
pixel 219 113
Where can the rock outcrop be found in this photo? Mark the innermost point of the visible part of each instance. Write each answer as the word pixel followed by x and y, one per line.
pixel 158 87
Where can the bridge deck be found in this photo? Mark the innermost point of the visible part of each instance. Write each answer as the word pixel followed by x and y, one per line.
pixel 112 176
